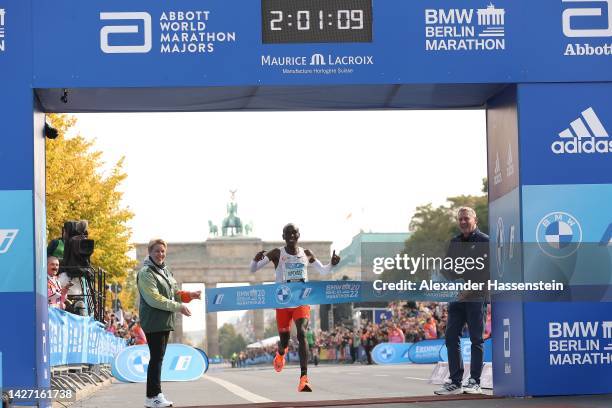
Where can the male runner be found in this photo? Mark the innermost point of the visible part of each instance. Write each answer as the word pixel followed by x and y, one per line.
pixel 290 264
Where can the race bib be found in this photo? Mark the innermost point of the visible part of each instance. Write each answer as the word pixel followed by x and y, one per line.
pixel 295 271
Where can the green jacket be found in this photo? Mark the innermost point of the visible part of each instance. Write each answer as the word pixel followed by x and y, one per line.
pixel 159 299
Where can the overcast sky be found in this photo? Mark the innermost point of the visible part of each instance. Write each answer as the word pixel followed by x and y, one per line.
pixel 331 173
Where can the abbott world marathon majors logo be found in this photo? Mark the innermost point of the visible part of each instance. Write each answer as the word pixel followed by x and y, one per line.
pixel 585 135
pixel 591 21
pixel 317 64
pixel 180 32
pixel 559 234
pixel 465 29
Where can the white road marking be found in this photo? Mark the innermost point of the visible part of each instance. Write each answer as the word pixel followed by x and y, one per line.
pixel 238 391
pixel 416 378
pixel 381 375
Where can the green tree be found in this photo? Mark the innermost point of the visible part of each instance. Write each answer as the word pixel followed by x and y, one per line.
pixel 229 341
pixel 432 227
pixel 77 189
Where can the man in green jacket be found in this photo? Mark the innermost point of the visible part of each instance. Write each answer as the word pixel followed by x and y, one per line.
pixel 160 298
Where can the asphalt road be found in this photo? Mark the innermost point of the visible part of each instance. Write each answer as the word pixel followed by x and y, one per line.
pixel 263 384
pixel 339 383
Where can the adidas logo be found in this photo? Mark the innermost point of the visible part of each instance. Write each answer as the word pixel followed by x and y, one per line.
pixel 585 135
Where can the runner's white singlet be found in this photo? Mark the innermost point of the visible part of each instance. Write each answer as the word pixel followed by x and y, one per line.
pixel 292 268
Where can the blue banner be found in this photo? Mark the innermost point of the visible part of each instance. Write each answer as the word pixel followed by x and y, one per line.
pixel 310 293
pixel 426 351
pixel 466 350
pixel 391 353
pixel 80 340
pixel 238 42
pixel 181 363
pixel 569 348
pixel 566 129
pixel 581 214
pixel 16 241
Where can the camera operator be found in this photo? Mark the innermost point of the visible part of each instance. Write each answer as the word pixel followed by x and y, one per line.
pixel 75 267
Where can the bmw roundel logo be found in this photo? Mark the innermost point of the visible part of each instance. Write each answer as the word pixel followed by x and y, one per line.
pixel 138 363
pixel 499 246
pixel 386 353
pixel 283 294
pixel 559 234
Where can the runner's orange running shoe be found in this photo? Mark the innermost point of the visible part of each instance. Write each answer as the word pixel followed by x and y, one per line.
pixel 279 362
pixel 304 385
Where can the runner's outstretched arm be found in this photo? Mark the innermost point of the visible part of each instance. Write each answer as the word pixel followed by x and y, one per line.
pixel 322 269
pixel 260 260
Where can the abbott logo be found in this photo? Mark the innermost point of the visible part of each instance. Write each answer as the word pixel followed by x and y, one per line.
pixel 7 236
pixel 125 29
pixel 569 13
pixel 585 135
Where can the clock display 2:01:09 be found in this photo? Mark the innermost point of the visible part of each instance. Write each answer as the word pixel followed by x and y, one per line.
pixel 342 20
pixel 295 21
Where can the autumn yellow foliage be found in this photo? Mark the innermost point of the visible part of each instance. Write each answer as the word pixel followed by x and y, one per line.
pixel 78 189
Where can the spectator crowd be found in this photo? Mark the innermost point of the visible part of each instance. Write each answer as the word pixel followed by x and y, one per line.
pixel 410 322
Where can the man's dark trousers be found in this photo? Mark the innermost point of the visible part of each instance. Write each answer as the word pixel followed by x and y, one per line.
pixel 474 314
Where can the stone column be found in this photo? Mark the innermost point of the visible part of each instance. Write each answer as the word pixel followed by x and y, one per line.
pixel 258 324
pixel 258 321
pixel 212 334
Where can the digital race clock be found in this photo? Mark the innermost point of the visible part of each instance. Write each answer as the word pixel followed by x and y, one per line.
pixel 316 21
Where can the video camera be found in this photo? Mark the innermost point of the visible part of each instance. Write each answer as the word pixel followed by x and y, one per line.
pixel 78 249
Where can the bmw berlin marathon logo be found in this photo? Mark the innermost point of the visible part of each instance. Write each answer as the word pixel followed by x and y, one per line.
pixel 283 294
pixel 559 234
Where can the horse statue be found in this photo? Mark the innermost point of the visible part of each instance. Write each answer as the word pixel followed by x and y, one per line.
pixel 231 223
pixel 212 229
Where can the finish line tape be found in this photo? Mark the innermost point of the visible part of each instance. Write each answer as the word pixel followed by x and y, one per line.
pixel 286 295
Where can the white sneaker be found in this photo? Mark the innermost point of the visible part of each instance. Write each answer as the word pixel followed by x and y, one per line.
pixel 472 387
pixel 448 388
pixel 163 398
pixel 157 402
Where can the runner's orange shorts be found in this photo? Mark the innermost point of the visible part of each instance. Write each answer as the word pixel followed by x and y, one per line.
pixel 285 316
